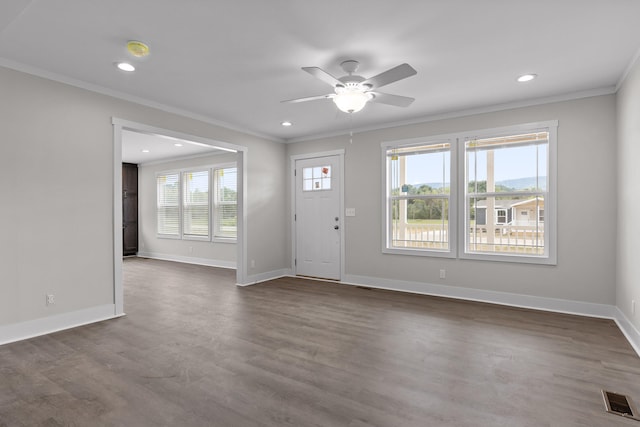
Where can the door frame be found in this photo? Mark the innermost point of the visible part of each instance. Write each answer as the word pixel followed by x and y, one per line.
pixel 241 164
pixel 293 158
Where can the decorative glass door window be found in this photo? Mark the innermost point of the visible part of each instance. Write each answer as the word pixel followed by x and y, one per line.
pixel 316 178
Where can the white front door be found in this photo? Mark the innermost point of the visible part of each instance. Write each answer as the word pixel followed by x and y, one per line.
pixel 317 217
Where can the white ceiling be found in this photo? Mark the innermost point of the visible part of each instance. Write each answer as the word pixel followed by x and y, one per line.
pixel 142 148
pixel 234 61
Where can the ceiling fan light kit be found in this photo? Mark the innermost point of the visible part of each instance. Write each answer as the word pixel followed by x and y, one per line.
pixel 351 99
pixel 352 92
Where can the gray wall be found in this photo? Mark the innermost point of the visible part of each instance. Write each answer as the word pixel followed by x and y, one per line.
pixel 628 266
pixel 56 170
pixel 149 243
pixel 586 223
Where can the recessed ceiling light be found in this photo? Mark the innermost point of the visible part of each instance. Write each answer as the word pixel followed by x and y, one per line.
pixel 527 77
pixel 145 151
pixel 286 123
pixel 177 144
pixel 125 66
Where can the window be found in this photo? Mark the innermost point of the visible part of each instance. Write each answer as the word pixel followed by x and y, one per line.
pixel 226 203
pixel 168 204
pixel 195 204
pixel 505 183
pixel 186 209
pixel 506 173
pixel 316 178
pixel 418 198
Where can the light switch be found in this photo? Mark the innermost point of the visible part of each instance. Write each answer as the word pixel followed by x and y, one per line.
pixel 350 212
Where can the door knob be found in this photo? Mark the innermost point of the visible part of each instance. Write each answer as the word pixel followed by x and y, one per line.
pixel 336 227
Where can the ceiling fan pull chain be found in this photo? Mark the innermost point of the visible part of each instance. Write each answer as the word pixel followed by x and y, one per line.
pixel 351 130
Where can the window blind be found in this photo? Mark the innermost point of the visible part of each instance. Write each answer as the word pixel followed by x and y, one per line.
pixel 168 204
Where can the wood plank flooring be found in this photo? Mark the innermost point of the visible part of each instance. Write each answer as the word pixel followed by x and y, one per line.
pixel 195 350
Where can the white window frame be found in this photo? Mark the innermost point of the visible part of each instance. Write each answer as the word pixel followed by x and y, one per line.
pixel 387 228
pixel 215 204
pixel 457 198
pixel 181 235
pixel 550 232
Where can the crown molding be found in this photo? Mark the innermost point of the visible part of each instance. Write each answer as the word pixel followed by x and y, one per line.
pixel 632 63
pixel 463 113
pixel 17 66
pixel 38 72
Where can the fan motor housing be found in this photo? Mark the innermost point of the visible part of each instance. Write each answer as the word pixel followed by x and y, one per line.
pixel 351 79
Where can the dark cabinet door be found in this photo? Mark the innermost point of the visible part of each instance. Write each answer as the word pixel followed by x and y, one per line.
pixel 129 209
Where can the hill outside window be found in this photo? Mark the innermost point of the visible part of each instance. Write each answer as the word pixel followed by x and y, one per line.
pixel 418 207
pixel 499 206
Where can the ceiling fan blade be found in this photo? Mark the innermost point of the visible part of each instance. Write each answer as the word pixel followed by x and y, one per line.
pixel 319 73
pixel 310 98
pixel 400 72
pixel 386 98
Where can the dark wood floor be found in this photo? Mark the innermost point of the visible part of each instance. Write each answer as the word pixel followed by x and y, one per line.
pixel 195 350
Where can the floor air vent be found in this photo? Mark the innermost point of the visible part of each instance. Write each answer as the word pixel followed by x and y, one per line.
pixel 619 404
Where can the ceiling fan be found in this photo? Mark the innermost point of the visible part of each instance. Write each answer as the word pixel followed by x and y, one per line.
pixel 352 92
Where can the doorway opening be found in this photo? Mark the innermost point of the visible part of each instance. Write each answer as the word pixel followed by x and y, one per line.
pixel 170 143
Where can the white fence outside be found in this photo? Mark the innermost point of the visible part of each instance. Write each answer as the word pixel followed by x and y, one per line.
pixel 517 238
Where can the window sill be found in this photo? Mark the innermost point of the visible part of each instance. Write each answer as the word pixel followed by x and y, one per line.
pixel 419 252
pixel 197 238
pixel 224 240
pixel 522 259
pixel 168 236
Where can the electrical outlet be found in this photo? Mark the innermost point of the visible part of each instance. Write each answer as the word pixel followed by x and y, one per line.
pixel 51 299
pixel 253 263
pixel 443 273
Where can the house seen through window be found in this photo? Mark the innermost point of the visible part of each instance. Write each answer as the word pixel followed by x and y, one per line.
pixel 506 184
pixel 482 196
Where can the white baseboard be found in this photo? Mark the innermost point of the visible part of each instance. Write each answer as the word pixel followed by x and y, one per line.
pixel 269 275
pixel 46 325
pixel 59 322
pixel 188 260
pixel 493 297
pixel 580 308
pixel 630 332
